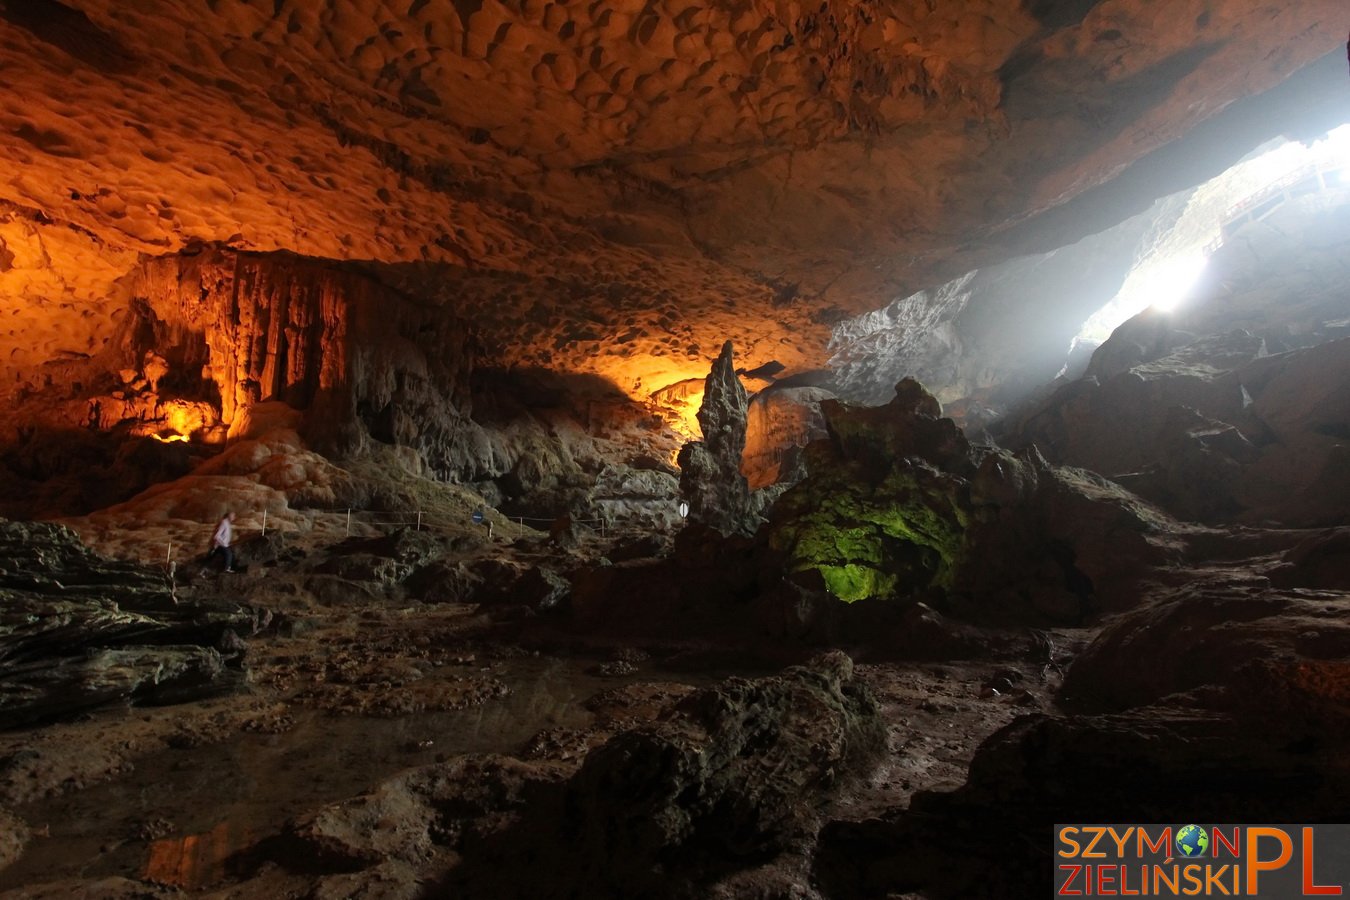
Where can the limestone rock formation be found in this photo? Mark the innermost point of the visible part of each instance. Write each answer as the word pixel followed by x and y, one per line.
pixel 1041 769
pixel 74 471
pixel 898 504
pixel 710 470
pixel 1222 694
pixel 684 173
pixel 733 777
pixel 994 334
pixel 1234 646
pixel 113 887
pixel 627 496
pixel 404 819
pixel 78 631
pixel 249 346
pixel 1232 408
pixel 362 361
pixel 1058 543
pixel 884 507
pixel 779 423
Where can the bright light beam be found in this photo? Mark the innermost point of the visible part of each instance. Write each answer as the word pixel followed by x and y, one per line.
pixel 1172 280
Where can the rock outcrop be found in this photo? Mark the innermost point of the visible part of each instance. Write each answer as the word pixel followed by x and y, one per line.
pixel 884 507
pixel 1233 408
pixel 710 470
pixel 1240 647
pixel 898 504
pixel 1223 696
pixel 361 361
pixel 733 777
pixel 1058 543
pixel 78 631
pixel 1140 765
pixel 221 344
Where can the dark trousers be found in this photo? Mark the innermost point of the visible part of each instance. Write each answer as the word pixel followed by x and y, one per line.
pixel 226 552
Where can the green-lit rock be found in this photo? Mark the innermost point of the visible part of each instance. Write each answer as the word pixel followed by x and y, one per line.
pixel 898 506
pixel 882 512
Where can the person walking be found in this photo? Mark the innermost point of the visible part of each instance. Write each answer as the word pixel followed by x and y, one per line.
pixel 221 540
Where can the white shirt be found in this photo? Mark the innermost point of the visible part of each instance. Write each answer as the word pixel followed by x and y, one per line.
pixel 224 534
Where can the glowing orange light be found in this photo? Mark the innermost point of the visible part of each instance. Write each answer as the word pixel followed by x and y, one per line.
pixel 682 416
pixel 178 420
pixel 669 389
pixel 678 405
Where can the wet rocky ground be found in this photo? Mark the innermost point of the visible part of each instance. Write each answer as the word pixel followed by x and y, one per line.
pixel 412 715
pixel 249 790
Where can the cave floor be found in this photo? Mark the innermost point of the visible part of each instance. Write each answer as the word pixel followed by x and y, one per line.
pixel 178 795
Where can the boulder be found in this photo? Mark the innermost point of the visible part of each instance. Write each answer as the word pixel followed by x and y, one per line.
pixel 884 507
pixel 502 582
pixel 1060 544
pixel 444 582
pixel 737 774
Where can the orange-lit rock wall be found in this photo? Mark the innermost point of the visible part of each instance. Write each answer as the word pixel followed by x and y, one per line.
pixel 200 338
pixel 360 359
pixel 778 422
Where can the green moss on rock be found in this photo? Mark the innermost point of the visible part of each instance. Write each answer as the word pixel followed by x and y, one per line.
pixel 870 539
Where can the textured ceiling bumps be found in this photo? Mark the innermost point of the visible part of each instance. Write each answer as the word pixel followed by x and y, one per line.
pixel 611 186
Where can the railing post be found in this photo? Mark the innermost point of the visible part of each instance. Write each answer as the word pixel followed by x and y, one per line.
pixel 419 520
pixel 349 521
pixel 264 529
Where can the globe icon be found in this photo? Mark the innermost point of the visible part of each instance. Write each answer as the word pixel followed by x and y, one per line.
pixel 1192 841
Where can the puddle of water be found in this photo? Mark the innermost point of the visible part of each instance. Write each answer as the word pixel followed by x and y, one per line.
pixel 221 798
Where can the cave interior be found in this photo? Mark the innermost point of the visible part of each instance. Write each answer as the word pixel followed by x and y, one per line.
pixel 757 450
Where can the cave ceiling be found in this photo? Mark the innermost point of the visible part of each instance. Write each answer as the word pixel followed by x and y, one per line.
pixel 612 186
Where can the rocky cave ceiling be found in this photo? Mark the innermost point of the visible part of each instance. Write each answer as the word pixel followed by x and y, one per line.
pixel 612 186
